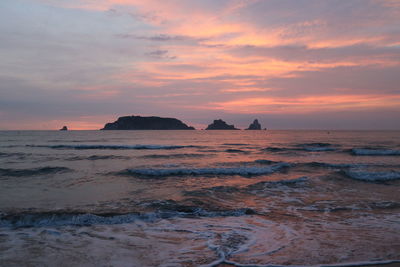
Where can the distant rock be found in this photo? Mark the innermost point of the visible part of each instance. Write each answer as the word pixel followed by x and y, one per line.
pixel 146 123
pixel 255 125
pixel 64 128
pixel 220 125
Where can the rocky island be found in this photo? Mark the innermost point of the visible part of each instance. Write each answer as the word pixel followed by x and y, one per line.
pixel 146 123
pixel 255 125
pixel 220 125
pixel 64 128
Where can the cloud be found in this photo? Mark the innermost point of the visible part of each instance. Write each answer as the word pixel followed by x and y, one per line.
pixel 160 54
pixel 355 53
pixel 161 37
pixel 199 58
pixel 305 105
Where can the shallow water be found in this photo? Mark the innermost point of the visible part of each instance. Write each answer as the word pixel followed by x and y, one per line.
pixel 190 198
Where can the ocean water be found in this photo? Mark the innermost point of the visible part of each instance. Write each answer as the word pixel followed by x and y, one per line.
pixel 199 198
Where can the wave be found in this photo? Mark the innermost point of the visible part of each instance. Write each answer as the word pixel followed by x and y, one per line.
pixel 332 165
pixel 373 176
pixel 235 144
pixel 315 144
pixel 98 157
pixel 211 190
pixel 297 182
pixel 236 151
pixel 242 171
pixel 223 260
pixel 32 172
pixel 374 152
pixel 116 147
pixel 264 161
pixel 44 219
pixel 275 149
pixel 271 184
pixel 309 147
pixel 316 147
pixel 6 155
pixel 178 156
pixel 364 206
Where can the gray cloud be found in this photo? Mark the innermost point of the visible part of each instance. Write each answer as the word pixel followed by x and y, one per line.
pixel 161 54
pixel 340 80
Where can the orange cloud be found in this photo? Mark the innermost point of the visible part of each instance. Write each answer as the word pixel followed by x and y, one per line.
pixel 307 104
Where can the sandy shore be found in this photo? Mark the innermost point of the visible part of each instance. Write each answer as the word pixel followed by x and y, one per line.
pixel 395 264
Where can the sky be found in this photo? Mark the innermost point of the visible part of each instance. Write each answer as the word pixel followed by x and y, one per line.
pixel 292 64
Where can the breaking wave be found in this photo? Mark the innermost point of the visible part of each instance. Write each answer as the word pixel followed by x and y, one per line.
pixel 32 172
pixel 112 147
pixel 98 157
pixel 373 176
pixel 374 152
pixel 43 219
pixel 317 164
pixel 316 147
pixel 308 147
pixel 242 171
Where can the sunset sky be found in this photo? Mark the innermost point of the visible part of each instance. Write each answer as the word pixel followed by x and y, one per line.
pixel 298 64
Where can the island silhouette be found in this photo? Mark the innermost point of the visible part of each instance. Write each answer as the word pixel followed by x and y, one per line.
pixel 160 123
pixel 146 123
pixel 255 125
pixel 220 125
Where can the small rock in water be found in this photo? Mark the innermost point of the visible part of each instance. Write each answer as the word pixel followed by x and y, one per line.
pixel 255 125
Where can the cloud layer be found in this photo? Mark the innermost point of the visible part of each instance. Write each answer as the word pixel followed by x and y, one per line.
pixel 290 63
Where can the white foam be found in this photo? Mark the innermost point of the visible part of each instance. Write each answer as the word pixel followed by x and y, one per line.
pixel 66 219
pixel 44 220
pixel 350 264
pixel 245 171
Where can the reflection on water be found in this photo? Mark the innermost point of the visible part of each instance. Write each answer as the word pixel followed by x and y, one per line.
pixel 190 198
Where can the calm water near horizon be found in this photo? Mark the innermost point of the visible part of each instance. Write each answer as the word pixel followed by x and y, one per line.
pixel 193 198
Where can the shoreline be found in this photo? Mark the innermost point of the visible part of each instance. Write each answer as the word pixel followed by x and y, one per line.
pixel 388 263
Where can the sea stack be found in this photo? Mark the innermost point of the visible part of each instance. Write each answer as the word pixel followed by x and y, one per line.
pixel 255 125
pixel 220 125
pixel 146 123
pixel 64 128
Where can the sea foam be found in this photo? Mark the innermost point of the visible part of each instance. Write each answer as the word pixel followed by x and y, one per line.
pixel 243 171
pixel 46 219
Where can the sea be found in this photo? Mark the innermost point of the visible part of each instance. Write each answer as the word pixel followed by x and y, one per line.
pixel 199 198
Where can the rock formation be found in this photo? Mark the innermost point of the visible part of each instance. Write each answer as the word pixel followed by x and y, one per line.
pixel 220 125
pixel 255 125
pixel 146 123
pixel 64 128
